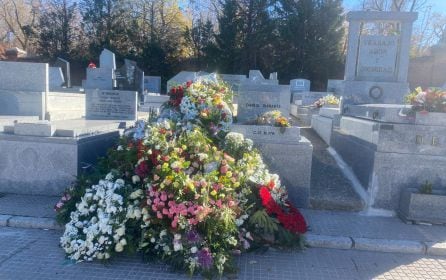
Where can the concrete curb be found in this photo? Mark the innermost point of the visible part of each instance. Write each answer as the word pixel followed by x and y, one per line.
pixel 29 222
pixel 376 245
pixel 312 240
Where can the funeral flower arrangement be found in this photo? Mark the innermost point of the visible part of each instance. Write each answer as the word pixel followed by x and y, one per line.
pixel 273 118
pixel 329 99
pixel 182 189
pixel 429 100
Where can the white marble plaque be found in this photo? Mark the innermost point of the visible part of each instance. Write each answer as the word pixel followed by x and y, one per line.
pixel 377 57
pixel 111 105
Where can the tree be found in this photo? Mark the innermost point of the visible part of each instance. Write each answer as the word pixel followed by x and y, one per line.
pixel 311 37
pixel 58 30
pixel 200 38
pixel 21 18
pixel 228 43
pixel 107 24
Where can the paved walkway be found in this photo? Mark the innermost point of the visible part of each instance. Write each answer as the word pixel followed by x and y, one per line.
pixel 34 254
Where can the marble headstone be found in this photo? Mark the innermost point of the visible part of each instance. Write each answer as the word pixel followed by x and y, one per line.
pixel 56 77
pixel 111 105
pixel 255 99
pixel 107 59
pixel 65 66
pixel 99 78
pixel 300 85
pixel 152 84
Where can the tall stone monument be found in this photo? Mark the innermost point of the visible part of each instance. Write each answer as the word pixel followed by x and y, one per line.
pixel 377 57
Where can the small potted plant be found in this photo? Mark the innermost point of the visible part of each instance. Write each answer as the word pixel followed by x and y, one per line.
pixel 424 204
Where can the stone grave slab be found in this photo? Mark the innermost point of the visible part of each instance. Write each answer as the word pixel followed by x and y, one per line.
pixel 389 113
pixel 329 112
pixel 24 103
pixel 323 127
pixel 111 105
pixel 256 99
pixel 39 128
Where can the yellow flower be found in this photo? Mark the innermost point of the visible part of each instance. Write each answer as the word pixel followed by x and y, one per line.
pixel 214 192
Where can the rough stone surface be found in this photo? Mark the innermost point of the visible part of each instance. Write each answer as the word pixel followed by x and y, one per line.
pixel 24 103
pixel 65 106
pixel 325 241
pixel 389 113
pixel 427 208
pixel 384 245
pixel 10 120
pixel 432 118
pixel 40 128
pixel 38 206
pixel 24 76
pixel 41 165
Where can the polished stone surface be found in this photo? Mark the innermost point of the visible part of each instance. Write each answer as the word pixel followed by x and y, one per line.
pixel 24 76
pixel 111 105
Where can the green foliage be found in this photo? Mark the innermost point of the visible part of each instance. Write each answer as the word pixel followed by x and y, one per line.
pixel 426 188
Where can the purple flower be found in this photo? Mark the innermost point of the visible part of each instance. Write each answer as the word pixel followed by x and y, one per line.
pixel 205 258
pixel 193 236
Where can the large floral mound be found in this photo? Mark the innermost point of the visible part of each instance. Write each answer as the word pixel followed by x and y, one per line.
pixel 182 189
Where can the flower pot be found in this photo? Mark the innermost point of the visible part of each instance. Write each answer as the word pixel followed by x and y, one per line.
pixel 268 134
pixel 430 118
pixel 418 207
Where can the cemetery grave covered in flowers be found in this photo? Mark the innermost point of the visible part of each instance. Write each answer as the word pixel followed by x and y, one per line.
pixel 219 165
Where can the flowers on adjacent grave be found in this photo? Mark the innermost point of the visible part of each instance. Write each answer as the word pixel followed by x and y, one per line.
pixel 429 100
pixel 183 190
pixel 273 118
pixel 329 99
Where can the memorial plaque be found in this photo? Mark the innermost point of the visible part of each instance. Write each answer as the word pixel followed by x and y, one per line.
pixel 377 57
pixel 256 99
pixel 111 105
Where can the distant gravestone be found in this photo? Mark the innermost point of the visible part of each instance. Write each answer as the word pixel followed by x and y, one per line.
pixel 299 85
pixel 107 59
pixel 130 77
pixel 256 76
pixel 56 78
pixel 111 105
pixel 152 84
pixel 65 66
pixel 256 99
pixel 99 78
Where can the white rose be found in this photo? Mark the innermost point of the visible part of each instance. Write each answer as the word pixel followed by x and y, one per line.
pixel 177 247
pixel 106 256
pixel 120 231
pixel 137 213
pixel 193 250
pixel 135 179
pixel 177 236
pixel 123 242
pixel 119 248
pixel 100 256
pixel 152 240
pixel 120 148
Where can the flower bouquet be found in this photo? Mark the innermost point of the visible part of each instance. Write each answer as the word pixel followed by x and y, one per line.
pixel 430 100
pixel 184 190
pixel 328 100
